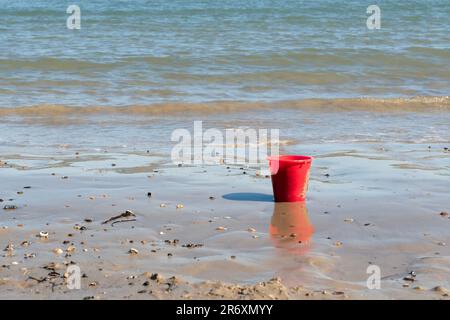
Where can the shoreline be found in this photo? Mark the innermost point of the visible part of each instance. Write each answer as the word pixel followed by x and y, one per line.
pixel 373 104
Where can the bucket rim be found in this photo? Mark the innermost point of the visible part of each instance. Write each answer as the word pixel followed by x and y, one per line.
pixel 291 158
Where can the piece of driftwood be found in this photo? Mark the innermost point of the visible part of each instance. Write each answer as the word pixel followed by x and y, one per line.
pixel 126 214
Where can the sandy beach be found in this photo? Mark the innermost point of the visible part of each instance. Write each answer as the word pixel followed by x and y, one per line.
pixel 214 232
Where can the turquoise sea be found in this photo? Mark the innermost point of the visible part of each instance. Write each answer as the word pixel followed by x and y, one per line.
pixel 144 52
pixel 137 70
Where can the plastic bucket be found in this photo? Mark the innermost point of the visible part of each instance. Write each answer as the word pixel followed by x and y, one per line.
pixel 290 175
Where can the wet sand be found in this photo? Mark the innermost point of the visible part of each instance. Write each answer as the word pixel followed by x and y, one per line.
pixel 214 232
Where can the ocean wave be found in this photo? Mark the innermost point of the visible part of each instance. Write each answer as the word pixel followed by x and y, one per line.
pixel 54 64
pixel 419 104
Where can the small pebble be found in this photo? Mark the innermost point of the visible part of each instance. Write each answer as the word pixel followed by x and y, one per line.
pixel 179 206
pixel 10 207
pixel 133 251
pixel 221 228
pixel 9 248
pixel 156 277
pixel 440 289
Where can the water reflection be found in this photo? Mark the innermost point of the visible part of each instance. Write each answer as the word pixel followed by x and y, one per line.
pixel 290 226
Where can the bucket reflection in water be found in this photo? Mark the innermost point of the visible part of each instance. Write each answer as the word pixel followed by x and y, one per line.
pixel 290 226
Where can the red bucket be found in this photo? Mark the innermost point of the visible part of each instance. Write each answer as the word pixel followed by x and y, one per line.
pixel 290 175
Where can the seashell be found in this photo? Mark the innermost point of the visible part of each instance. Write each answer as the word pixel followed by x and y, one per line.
pixel 70 249
pixel 221 228
pixel 179 206
pixel 43 234
pixel 58 251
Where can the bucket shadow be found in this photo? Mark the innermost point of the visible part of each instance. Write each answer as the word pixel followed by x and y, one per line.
pixel 248 196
